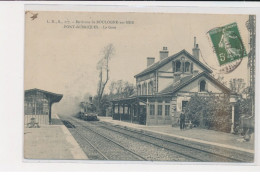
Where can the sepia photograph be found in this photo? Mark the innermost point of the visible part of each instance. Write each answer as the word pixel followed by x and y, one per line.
pixel 135 86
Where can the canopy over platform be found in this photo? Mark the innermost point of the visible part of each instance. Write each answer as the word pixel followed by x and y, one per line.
pixel 53 97
pixel 37 105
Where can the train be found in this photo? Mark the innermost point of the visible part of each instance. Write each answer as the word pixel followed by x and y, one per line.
pixel 88 111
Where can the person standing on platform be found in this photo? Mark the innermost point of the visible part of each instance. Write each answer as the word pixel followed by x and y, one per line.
pixel 182 120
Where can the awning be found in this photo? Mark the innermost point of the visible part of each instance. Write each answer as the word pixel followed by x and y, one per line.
pixel 53 97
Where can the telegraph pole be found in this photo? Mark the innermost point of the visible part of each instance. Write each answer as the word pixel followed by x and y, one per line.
pixel 251 24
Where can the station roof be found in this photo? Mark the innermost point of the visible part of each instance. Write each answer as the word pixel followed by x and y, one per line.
pixel 54 97
pixel 173 88
pixel 162 62
pixel 187 80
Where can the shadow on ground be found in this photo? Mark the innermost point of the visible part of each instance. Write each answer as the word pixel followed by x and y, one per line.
pixel 55 121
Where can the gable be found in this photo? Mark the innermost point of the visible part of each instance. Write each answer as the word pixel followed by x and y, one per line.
pixel 183 58
pixel 190 84
pixel 194 86
pixel 167 61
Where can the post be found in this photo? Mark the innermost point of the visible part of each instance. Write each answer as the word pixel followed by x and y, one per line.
pixel 147 111
pixel 138 112
pixel 119 108
pixel 128 112
pixel 233 100
pixel 233 118
pixel 50 113
pixel 123 111
pixel 113 110
pixel 131 112
pixel 35 108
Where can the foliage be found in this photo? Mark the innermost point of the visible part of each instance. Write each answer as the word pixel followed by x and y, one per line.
pixel 245 106
pixel 237 85
pixel 220 78
pixel 121 89
pixel 212 112
pixel 118 89
pixel 103 104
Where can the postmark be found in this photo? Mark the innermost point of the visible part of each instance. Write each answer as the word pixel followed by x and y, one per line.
pixel 228 46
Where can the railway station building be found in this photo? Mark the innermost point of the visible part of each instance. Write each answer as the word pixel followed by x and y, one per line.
pixel 37 105
pixel 165 87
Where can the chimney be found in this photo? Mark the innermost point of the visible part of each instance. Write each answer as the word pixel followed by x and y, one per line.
pixel 164 53
pixel 150 61
pixel 196 50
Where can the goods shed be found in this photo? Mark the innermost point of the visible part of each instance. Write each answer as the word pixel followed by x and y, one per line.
pixel 37 104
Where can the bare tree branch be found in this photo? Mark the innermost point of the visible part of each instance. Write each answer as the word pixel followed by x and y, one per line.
pixel 103 64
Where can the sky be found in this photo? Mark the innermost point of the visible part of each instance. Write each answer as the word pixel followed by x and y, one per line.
pixel 63 59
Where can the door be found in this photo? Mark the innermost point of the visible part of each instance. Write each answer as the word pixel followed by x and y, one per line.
pixel 184 104
pixel 142 115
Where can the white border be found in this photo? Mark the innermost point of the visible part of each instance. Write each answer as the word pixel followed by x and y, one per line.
pixel 11 77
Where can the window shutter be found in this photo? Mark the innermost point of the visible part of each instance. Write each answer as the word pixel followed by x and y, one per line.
pixel 182 66
pixel 173 66
pixel 191 67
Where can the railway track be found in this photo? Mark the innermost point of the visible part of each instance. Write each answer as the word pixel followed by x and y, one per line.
pixel 69 125
pixel 185 157
pixel 185 150
pixel 100 146
pixel 188 152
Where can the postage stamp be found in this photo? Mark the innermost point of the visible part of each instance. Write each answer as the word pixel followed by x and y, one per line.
pixel 228 46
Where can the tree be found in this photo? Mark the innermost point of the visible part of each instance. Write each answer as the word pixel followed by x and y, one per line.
pixel 103 104
pixel 116 87
pixel 211 112
pixel 220 78
pixel 237 85
pixel 103 68
pixel 121 89
pixel 128 90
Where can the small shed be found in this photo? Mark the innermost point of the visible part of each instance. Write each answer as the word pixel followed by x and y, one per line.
pixel 37 104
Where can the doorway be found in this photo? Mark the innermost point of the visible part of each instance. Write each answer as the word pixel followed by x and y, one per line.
pixel 142 116
pixel 184 104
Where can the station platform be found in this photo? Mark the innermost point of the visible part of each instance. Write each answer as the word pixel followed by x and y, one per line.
pixel 51 142
pixel 204 136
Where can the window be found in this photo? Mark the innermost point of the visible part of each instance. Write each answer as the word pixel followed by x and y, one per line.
pixel 150 88
pixel 167 110
pixel 139 90
pixel 202 86
pixel 187 67
pixel 144 88
pixel 184 104
pixel 152 109
pixel 178 66
pixel 135 111
pixel 126 110
pixel 116 109
pixel 121 109
pixel 159 110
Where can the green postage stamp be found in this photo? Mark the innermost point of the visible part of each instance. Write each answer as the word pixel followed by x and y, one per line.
pixel 227 43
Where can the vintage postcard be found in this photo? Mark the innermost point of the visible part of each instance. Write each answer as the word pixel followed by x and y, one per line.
pixel 123 86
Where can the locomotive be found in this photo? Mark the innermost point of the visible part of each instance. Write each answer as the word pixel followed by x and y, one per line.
pixel 88 111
